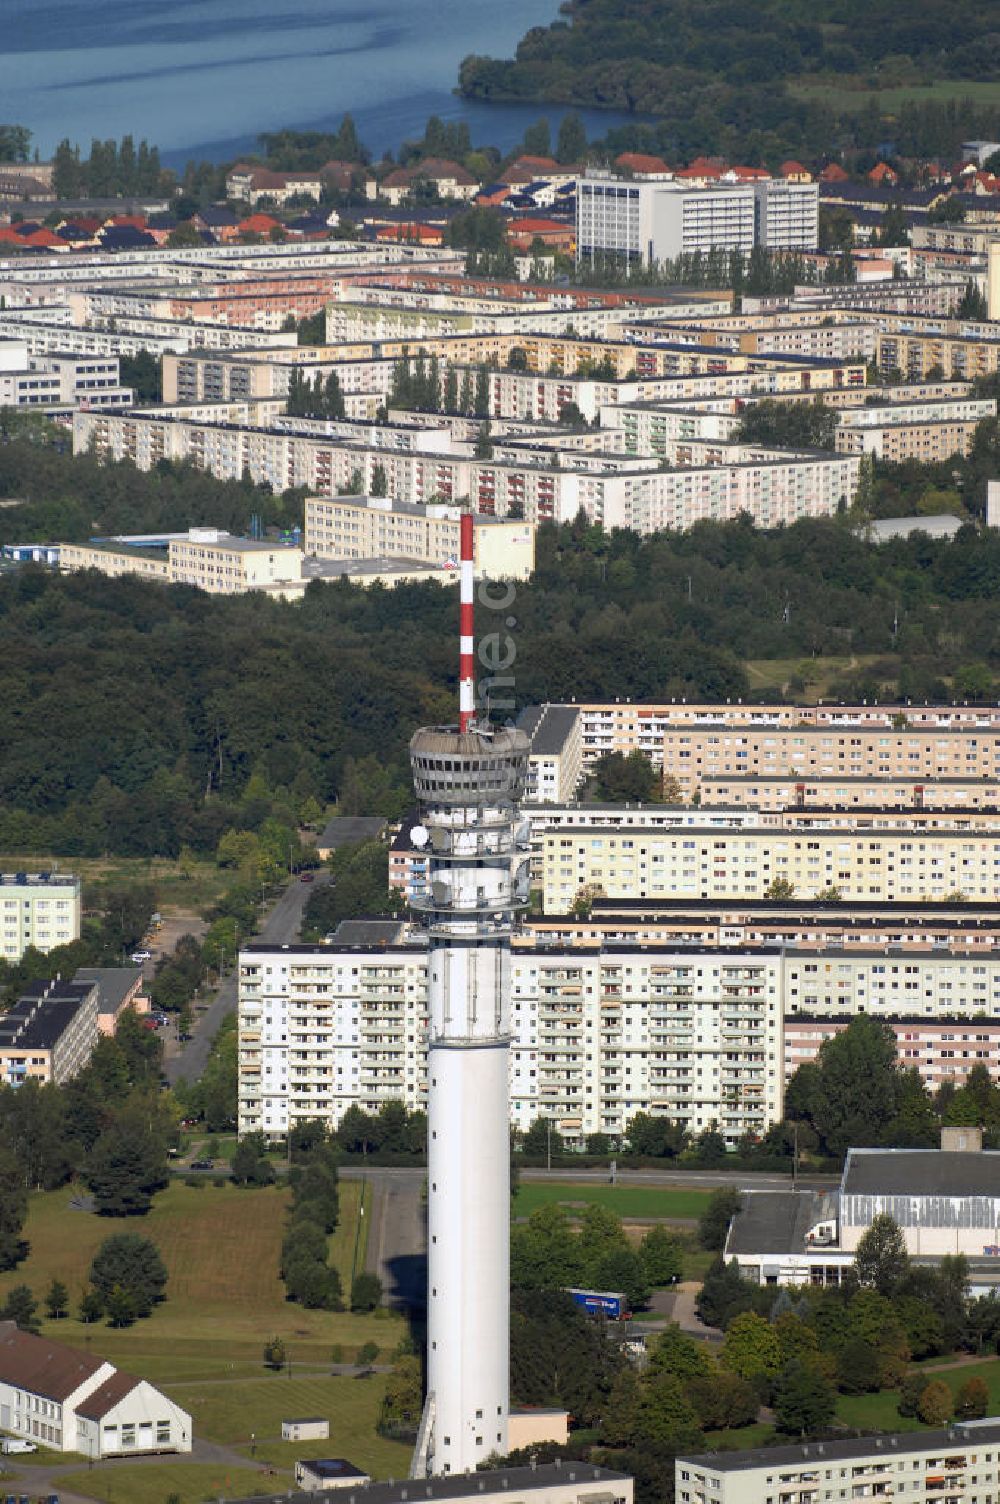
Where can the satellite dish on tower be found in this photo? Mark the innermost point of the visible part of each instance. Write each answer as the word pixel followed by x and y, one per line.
pixel 419 835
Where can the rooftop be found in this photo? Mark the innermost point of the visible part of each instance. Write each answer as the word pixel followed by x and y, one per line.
pixel 42 1367
pixel 774 1222
pixel 921 1172
pixel 114 984
pixel 349 830
pixel 984 1433
pixel 549 727
pixel 515 1481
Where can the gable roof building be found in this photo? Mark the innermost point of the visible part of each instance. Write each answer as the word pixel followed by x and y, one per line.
pixel 76 1402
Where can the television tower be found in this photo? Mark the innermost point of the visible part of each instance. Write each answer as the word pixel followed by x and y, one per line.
pixel 469 781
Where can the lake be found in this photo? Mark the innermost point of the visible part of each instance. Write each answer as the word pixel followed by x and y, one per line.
pixel 200 78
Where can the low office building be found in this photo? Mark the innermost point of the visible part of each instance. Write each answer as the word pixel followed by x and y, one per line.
pixel 119 989
pixel 229 566
pixel 40 909
pixel 73 1401
pixel 323 1475
pixel 375 527
pixel 49 1034
pixel 559 1482
pixel 945 1201
pixel 958 1466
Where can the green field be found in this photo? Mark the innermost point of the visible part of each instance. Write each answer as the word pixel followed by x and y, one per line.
pixel 851 94
pixel 192 890
pixel 625 1200
pixel 880 1410
pixel 773 675
pixel 224 1299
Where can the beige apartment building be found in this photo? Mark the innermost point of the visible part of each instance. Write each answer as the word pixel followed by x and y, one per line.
pixel 637 726
pixel 787 791
pixel 913 752
pixel 375 527
pixel 699 863
pixel 898 435
pixel 940 1050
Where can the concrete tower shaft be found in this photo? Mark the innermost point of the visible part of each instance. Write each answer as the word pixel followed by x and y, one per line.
pixel 469 784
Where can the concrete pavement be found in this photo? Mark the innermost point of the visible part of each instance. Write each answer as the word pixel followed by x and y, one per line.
pixel 281 925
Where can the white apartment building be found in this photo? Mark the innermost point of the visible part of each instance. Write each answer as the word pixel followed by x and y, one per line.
pixel 58 379
pixel 648 222
pixel 958 1466
pixel 555 761
pixel 376 527
pixel 41 909
pixel 598 1037
pixel 786 215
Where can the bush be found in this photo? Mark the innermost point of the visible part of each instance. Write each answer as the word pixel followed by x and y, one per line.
pixel 367 1352
pixel 274 1353
pixel 972 1400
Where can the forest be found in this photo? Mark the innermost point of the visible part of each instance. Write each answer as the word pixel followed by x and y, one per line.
pixel 138 718
pixel 722 77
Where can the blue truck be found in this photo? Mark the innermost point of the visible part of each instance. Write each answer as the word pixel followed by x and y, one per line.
pixel 610 1303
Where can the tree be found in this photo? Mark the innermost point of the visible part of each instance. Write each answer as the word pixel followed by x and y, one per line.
pixel 662 1256
pixel 538 139
pixel 852 1089
pixel 723 1295
pixel 91 1307
pixel 625 779
pixel 881 1261
pixel 751 1347
pixel 251 1165
pixel 713 1224
pixel 131 1263
pixel 571 143
pixel 804 1400
pixel 366 1292
pixel 21 1307
pixel 274 1353
pixel 858 1367
pixel 972 1400
pixel 541 1139
pixel 13 1209
pixel 121 1307
pixel 780 889
pixel 125 1167
pixel 56 1300
pixel 936 1404
pixel 380 485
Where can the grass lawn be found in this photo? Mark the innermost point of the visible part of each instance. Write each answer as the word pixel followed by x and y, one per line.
pixel 735 1441
pixel 224 1299
pixel 230 1413
pixel 152 1483
pixel 349 1242
pixel 625 1200
pixel 880 1410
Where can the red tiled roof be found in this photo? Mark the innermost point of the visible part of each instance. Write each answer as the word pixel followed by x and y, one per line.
pixel 42 1367
pixel 537 164
pixel 787 168
pixel 637 161
pixel 259 223
pixel 530 226
pixel 749 174
pixel 833 173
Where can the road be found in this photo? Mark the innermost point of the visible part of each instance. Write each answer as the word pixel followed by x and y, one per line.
pixel 282 924
pixel 397 1234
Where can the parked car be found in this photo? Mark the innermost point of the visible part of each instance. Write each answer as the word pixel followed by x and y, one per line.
pixel 306 877
pixel 139 956
pixel 203 1164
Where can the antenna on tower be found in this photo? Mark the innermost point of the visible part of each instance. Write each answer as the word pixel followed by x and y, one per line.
pixel 466 647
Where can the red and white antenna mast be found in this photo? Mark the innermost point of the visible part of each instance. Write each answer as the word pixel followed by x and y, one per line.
pixel 466 665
